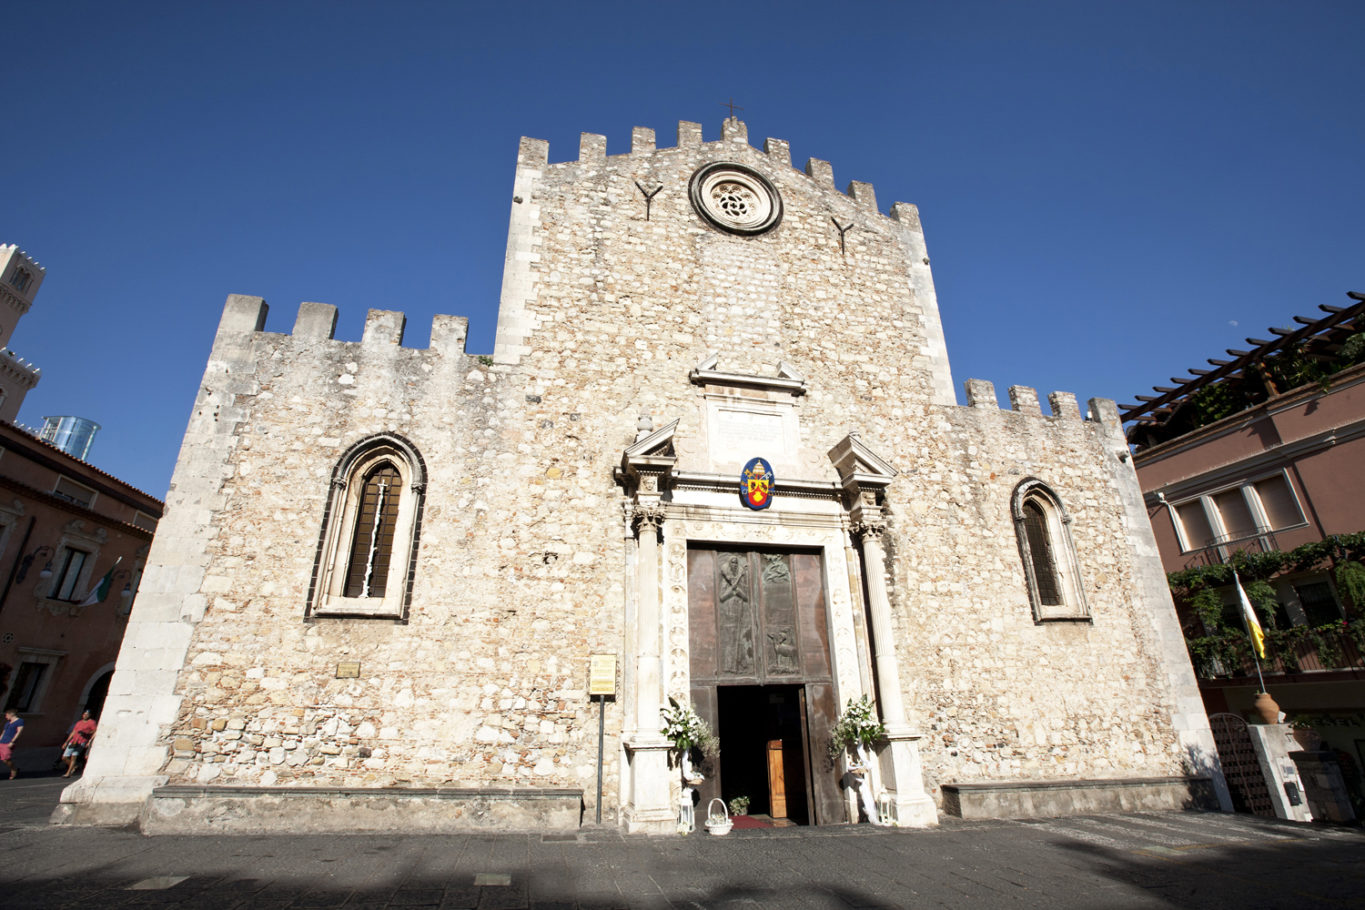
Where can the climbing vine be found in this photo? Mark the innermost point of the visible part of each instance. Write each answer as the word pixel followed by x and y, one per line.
pixel 1223 650
pixel 1347 551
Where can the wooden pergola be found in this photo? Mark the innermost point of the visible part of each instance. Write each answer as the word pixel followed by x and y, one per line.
pixel 1250 373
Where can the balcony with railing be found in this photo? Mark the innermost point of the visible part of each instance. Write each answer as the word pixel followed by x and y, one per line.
pixel 1221 550
pixel 1300 649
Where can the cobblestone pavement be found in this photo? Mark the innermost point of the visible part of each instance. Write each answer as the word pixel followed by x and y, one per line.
pixel 1203 860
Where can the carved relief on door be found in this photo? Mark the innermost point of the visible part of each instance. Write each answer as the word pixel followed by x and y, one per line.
pixel 756 616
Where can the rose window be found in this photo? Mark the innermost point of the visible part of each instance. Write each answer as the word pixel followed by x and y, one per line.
pixel 735 199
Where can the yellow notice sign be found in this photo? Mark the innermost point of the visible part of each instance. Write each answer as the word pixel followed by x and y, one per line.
pixel 602 674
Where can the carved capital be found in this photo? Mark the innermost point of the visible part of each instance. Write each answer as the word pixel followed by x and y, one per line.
pixel 869 529
pixel 647 517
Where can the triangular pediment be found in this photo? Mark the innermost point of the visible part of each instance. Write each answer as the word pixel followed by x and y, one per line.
pixel 854 460
pixel 658 443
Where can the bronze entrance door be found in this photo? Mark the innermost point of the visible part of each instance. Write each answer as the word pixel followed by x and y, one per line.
pixel 761 678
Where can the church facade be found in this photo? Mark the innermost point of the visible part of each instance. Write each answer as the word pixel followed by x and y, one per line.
pixel 717 447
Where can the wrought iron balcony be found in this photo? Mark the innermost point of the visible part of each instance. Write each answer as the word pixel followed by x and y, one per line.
pixel 1221 549
pixel 1300 649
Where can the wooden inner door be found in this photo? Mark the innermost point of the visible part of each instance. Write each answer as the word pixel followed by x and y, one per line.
pixel 777 784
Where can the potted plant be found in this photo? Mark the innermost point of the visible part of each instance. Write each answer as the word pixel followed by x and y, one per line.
pixel 739 805
pixel 856 732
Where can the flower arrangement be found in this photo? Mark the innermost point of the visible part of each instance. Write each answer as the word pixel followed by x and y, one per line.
pixel 739 805
pixel 687 731
pixel 857 727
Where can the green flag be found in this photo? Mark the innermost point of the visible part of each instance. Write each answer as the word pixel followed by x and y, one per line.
pixel 101 590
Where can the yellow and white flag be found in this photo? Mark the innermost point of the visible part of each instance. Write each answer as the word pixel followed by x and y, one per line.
pixel 1253 624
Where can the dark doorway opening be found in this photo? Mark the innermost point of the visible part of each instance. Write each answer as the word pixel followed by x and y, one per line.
pixel 765 751
pixel 94 702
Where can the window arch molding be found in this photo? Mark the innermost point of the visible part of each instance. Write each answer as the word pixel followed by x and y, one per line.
pixel 1042 527
pixel 367 549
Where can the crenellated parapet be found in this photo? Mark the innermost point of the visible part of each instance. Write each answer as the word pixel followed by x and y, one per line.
pixel 16 373
pixel 592 148
pixel 316 322
pixel 1024 401
pixel 20 278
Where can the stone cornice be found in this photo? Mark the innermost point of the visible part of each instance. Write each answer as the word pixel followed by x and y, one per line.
pixel 1239 422
pixel 729 483
pixel 787 379
pixel 715 377
pixel 1262 460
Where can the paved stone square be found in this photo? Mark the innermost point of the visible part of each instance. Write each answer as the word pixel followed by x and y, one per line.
pixel 1204 860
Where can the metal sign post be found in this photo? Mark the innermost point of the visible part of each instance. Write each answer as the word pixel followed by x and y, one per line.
pixel 601 682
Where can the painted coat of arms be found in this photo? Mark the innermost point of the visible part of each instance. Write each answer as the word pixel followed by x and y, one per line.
pixel 756 484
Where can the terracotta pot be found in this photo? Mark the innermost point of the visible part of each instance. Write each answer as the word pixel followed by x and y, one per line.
pixel 1267 708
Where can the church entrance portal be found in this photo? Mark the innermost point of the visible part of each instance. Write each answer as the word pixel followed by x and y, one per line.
pixel 765 753
pixel 761 677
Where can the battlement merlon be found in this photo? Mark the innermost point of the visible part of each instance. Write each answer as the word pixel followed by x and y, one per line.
pixel 244 315
pixel 1024 400
pixel 533 158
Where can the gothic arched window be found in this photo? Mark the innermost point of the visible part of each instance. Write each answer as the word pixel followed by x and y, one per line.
pixel 1051 571
pixel 370 531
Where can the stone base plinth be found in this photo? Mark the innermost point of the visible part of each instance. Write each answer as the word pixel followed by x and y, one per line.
pixel 1048 799
pixel 340 810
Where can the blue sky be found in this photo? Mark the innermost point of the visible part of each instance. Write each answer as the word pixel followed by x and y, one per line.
pixel 1111 192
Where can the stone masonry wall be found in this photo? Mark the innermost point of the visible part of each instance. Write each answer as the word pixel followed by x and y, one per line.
pixel 484 683
pixel 998 695
pixel 520 574
pixel 620 307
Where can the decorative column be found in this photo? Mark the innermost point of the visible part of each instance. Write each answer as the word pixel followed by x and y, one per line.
pixel 648 669
pixel 902 773
pixel 647 467
pixel 865 478
pixel 869 531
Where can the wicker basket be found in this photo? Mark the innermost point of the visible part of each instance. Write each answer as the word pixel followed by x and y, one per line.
pixel 717 819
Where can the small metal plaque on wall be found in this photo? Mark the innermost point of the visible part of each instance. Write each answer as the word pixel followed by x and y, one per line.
pixel 602 674
pixel 348 669
pixel 756 484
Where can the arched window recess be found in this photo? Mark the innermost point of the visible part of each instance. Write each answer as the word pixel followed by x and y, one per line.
pixel 1051 570
pixel 368 546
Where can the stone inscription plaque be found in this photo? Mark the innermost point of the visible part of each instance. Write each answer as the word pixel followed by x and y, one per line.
pixel 738 434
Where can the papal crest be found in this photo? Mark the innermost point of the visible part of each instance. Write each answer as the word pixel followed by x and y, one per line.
pixel 756 484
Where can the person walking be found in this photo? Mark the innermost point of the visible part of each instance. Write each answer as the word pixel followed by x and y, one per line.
pixel 77 742
pixel 14 725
